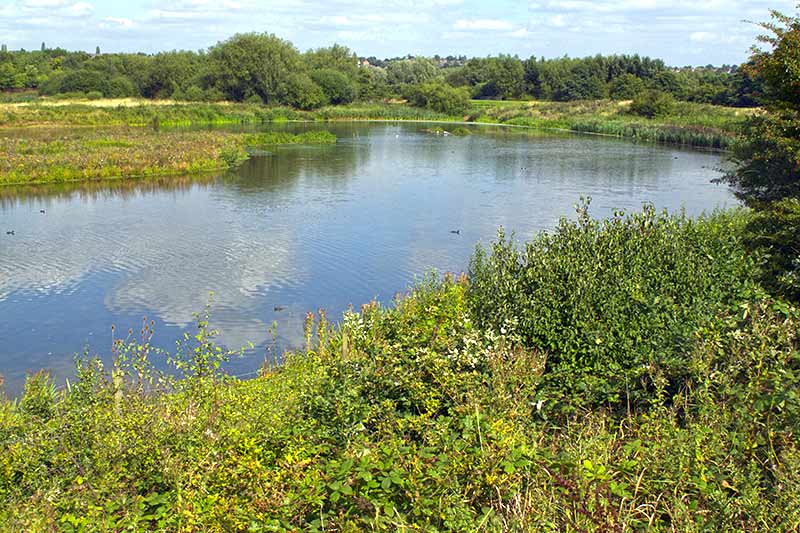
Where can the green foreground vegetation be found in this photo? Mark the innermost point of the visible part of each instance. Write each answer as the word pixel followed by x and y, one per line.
pixel 626 374
pixel 59 155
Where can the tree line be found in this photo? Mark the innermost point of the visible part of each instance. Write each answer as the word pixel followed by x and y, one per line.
pixel 260 67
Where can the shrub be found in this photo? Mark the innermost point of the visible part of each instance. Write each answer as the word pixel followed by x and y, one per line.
pixel 83 81
pixel 212 94
pixel 611 301
pixel 774 234
pixel 120 87
pixel 652 104
pixel 194 94
pixel 438 97
pixel 94 95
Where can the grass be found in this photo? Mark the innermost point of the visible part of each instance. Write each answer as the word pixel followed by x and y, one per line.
pixel 73 154
pixel 434 415
pixel 283 138
pixel 695 125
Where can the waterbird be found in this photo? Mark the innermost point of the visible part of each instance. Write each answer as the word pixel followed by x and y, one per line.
pixel 278 308
pixel 456 231
pixel 42 211
pixel 10 232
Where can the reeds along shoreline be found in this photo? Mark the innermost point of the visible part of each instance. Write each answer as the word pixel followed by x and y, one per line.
pixel 65 155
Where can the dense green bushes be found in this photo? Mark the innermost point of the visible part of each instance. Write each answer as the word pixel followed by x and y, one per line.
pixel 438 97
pixel 615 302
pixel 652 104
pixel 417 417
pixel 773 233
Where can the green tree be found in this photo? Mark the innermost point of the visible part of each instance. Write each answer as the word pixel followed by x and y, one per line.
pixel 336 57
pixel 10 77
pixel 626 87
pixel 767 173
pixel 496 77
pixel 412 71
pixel 337 87
pixel 439 97
pixel 372 84
pixel 254 63
pixel 303 93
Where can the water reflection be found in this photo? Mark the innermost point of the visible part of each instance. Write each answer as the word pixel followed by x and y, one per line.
pixel 300 228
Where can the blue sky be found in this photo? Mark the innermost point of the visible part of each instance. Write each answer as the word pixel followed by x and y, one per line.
pixel 683 32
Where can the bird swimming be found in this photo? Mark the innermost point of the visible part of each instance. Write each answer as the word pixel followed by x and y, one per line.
pixel 42 211
pixel 456 231
pixel 10 232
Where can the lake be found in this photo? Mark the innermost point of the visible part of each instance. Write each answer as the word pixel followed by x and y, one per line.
pixel 299 229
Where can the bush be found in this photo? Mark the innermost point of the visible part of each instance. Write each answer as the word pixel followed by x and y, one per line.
pixel 83 81
pixel 194 94
pixel 212 94
pixel 652 104
pixel 610 301
pixel 120 87
pixel 337 87
pixel 438 97
pixel 94 95
pixel 774 234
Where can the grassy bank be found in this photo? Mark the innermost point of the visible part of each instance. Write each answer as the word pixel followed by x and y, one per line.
pixel 617 375
pixel 696 125
pixel 687 124
pixel 70 154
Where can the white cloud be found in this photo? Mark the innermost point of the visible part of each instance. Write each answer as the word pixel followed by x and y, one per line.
pixel 483 25
pixel 120 22
pixel 671 29
pixel 44 4
pixel 702 36
pixel 80 9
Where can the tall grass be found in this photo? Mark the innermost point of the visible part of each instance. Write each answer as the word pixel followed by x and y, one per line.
pixel 696 125
pixel 62 155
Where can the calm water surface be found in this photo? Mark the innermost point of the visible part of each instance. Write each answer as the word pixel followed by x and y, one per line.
pixel 299 229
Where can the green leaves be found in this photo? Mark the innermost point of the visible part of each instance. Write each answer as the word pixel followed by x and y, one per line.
pixel 613 303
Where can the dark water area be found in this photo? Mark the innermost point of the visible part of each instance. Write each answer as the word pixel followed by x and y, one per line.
pixel 299 229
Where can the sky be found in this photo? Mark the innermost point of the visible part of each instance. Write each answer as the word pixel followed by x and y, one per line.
pixel 682 32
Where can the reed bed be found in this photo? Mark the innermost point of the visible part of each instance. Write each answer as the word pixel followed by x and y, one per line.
pixel 62 155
